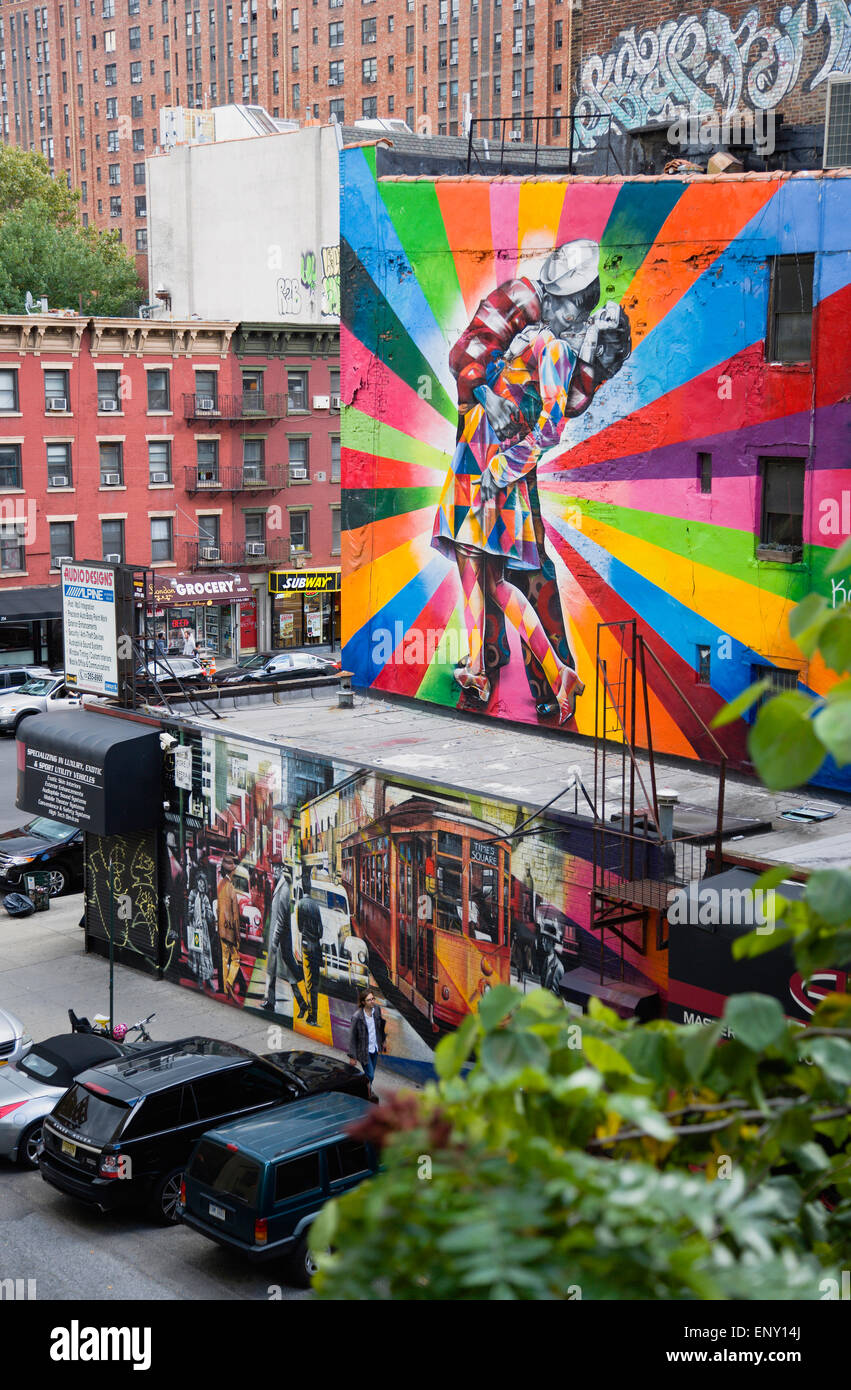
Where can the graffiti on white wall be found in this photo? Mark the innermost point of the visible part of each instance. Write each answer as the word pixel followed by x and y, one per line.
pixel 700 62
pixel 315 290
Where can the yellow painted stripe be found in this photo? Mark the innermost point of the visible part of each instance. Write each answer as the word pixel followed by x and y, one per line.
pixel 369 588
pixel 539 216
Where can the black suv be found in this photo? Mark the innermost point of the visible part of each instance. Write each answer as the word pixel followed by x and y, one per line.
pixel 121 1135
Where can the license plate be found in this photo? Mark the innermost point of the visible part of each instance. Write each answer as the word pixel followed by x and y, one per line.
pixel 219 1212
pixel 69 1148
pixel 3 1061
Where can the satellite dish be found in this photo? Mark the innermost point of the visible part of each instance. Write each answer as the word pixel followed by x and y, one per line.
pixel 29 302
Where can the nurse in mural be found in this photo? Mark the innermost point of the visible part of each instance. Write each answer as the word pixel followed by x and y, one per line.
pixel 531 359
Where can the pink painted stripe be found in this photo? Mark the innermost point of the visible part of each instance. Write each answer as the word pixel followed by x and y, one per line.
pixel 505 222
pixel 586 211
pixel 401 407
pixel 829 515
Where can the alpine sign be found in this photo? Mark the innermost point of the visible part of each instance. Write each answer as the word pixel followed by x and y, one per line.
pixel 90 628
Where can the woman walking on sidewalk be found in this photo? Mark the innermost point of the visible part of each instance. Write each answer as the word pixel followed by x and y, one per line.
pixel 368 1036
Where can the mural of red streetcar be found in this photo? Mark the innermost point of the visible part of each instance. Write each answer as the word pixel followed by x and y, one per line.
pixel 430 895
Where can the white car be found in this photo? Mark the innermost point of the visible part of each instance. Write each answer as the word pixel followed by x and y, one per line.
pixel 344 955
pixel 39 695
pixel 15 1041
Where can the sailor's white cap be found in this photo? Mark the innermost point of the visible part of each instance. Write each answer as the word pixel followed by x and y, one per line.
pixel 571 267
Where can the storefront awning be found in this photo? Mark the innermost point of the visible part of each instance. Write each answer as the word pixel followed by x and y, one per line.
pixel 30 605
pixel 98 772
pixel 190 590
pixel 577 986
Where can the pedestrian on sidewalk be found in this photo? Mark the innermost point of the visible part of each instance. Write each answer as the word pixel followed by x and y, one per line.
pixel 368 1036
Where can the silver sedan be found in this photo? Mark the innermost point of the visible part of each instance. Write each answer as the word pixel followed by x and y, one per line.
pixel 15 1041
pixel 30 1088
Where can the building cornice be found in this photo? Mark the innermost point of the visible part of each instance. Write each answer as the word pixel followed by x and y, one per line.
pixel 287 340
pixel 39 333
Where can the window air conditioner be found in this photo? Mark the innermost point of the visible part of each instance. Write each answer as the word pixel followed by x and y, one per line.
pixel 58 480
pixel 111 479
pixel 206 403
pixel 321 402
pixel 57 403
pixel 61 560
pixel 255 548
pixel 441 105
pixel 209 552
pixel 517 48
pixel 298 474
pixel 515 134
pixel 113 559
pixel 108 403
pixel 159 478
pixel 335 402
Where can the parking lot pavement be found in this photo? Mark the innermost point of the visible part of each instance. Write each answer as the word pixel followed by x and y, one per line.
pixel 44 971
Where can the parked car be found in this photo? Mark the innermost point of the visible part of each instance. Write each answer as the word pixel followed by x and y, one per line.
pixel 345 957
pixel 44 845
pixel 170 672
pixel 30 1088
pixel 256 1184
pixel 138 1119
pixel 281 666
pixel 13 677
pixel 38 695
pixel 15 1041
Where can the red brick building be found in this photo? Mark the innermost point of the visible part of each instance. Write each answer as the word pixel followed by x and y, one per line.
pixel 195 448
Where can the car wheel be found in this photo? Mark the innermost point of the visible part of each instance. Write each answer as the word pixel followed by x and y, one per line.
pixel 59 880
pixel 302 1265
pixel 29 1145
pixel 165 1198
pixel 19 721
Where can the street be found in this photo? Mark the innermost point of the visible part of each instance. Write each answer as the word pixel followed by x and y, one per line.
pixel 73 1253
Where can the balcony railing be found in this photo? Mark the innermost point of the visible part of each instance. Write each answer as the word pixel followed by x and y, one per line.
pixel 251 405
pixel 236 478
pixel 203 555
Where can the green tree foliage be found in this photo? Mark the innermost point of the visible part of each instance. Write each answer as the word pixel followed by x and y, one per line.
pixel 559 1158
pixel 44 249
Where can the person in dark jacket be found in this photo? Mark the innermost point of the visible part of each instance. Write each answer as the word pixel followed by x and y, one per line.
pixel 368 1036
pixel 280 962
pixel 310 929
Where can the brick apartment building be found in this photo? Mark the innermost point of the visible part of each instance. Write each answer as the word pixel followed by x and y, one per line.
pixel 192 447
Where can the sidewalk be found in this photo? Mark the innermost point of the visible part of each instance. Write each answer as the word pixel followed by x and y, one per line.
pixel 44 971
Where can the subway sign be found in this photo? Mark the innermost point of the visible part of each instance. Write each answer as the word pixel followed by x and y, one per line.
pixel 304 581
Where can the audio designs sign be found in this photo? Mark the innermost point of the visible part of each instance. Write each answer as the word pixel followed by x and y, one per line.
pixel 89 628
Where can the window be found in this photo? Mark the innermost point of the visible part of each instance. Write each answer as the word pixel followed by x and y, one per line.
pixel 139 174
pixel 56 390
pixel 59 465
pixel 111 74
pixel 12 556
pixel 335 530
pixel 158 390
pixel 337 110
pixel 111 464
pixel 369 69
pixel 207 453
pixel 336 72
pixel 10 465
pixel 253 456
pixel 206 390
pixel 369 108
pixel 299 460
pixel 557 77
pixel 108 390
pixel 299 532
pixel 141 206
pixel 294 19
pixel 335 459
pixel 136 107
pixel 347 1160
pixel 704 664
pixel 141 238
pixel 530 81
pixel 409 38
pixel 335 35
pixel 135 73
pixel 791 309
pixel 297 1177
pixel 159 461
pixel 61 542
pixel 409 87
pixel 8 389
pixel 112 538
pixel 782 524
pixel 115 207
pixel 368 30
pixel 138 140
pixel 390 23
pixel 255 531
pixel 294 59
pixel 704 472
pixel 296 391
pixel 114 169
pixel 558 33
pixel 209 534
pixel 162 544
pixel 252 391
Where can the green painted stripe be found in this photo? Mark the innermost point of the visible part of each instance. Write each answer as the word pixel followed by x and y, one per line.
pixel 370 436
pixel 437 684
pixel 638 213
pixel 363 506
pixel 415 212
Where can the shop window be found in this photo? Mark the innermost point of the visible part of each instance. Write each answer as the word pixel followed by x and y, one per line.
pixel 112 540
pixel 10 466
pixel 296 391
pixel 111 465
pixel 162 542
pixel 782 523
pixel 299 532
pixel 59 465
pixel 61 542
pixel 158 390
pixel 159 460
pixel 790 322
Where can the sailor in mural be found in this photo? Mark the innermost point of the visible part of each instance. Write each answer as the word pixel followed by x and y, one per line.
pixel 530 360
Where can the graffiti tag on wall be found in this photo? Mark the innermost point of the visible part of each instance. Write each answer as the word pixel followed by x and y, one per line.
pixel 700 63
pixel 298 293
